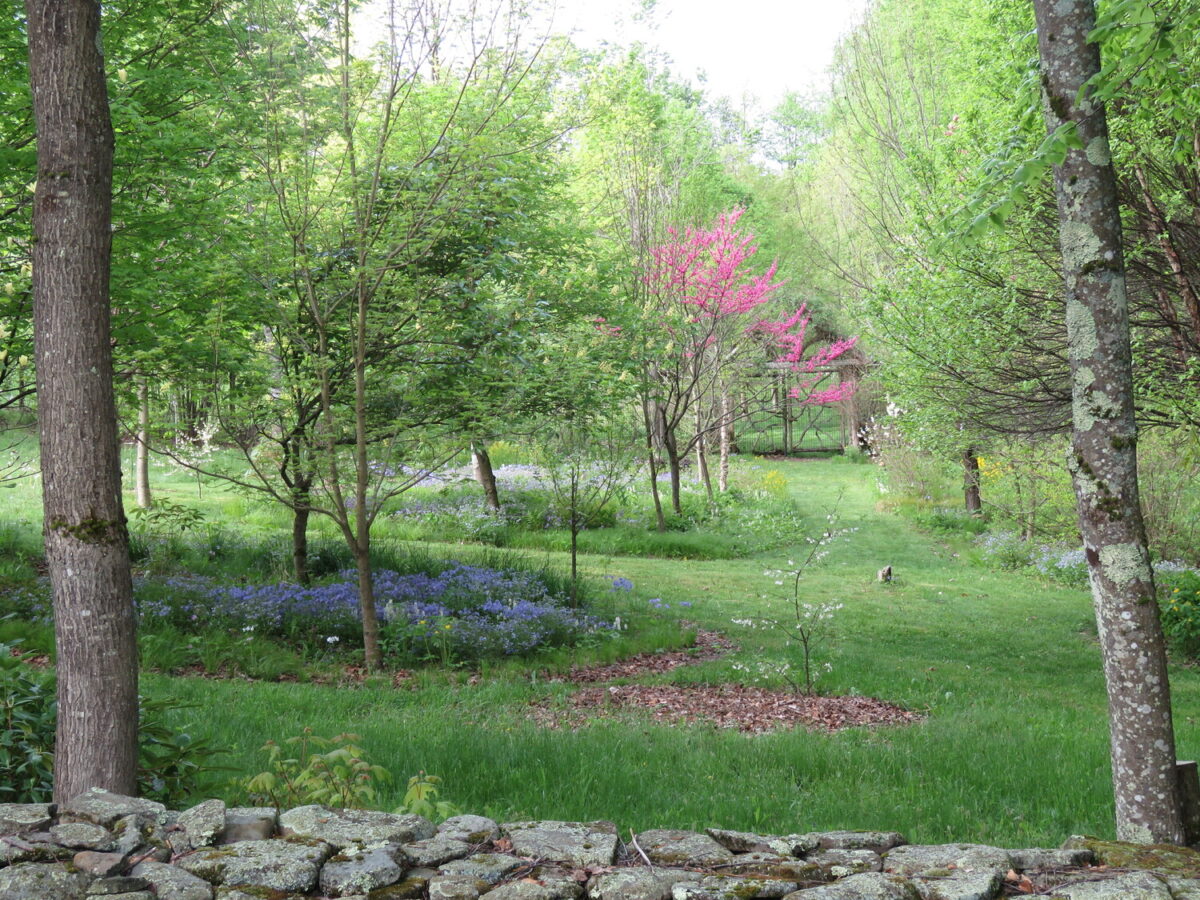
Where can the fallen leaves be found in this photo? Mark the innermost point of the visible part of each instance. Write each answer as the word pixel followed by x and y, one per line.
pixel 748 709
pixel 707 645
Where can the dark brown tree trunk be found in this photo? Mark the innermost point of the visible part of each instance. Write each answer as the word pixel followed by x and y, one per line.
pixel 971 481
pixel 300 514
pixel 660 521
pixel 702 457
pixel 87 546
pixel 141 478
pixel 481 464
pixel 1104 439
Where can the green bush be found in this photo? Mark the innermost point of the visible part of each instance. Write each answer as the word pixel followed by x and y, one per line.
pixel 1179 601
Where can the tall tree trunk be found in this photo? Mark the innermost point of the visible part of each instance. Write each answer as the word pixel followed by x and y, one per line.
pixel 300 515
pixel 674 468
pixel 87 545
pixel 726 442
pixel 481 464
pixel 701 457
pixel 970 464
pixel 141 476
pixel 660 520
pixel 1103 457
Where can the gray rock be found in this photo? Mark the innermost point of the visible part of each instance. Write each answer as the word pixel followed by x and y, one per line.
pixel 19 818
pixel 237 893
pixel 670 847
pixel 1132 886
pixel 121 884
pixel 840 863
pixel 489 867
pixel 281 865
pixel 102 865
pixel 469 829
pixel 105 808
pixel 724 887
pixel 741 841
pixel 249 823
pixel 29 849
pixel 772 865
pixel 456 887
pixel 943 859
pixel 203 824
pixel 549 888
pixel 356 871
pixel 138 833
pixel 413 886
pixel 83 836
pixel 1051 859
pixel 868 886
pixel 172 882
pixel 577 843
pixel 1183 888
pixel 436 850
pixel 343 827
pixel 42 881
pixel 637 884
pixel 877 841
pixel 960 886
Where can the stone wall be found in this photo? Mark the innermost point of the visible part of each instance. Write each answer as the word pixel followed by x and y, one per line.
pixel 105 845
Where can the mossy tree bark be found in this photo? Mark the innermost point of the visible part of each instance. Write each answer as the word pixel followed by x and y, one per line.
pixel 87 546
pixel 1103 455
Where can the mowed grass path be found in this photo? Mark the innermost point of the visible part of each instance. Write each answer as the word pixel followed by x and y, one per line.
pixel 1013 752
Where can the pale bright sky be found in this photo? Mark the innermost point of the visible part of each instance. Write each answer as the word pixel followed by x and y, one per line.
pixel 760 47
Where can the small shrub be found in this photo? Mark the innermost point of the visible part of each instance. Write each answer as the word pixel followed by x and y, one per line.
pixel 27 722
pixel 1005 549
pixel 308 769
pixel 1179 602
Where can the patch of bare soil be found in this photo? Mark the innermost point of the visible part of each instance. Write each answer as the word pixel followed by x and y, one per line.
pixel 749 709
pixel 708 645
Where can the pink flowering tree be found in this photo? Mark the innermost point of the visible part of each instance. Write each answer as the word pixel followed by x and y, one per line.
pixel 707 300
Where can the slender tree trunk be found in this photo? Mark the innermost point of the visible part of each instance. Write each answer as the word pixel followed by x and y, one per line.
pixel 574 535
pixel 726 442
pixel 971 481
pixel 1103 457
pixel 660 520
pixel 674 468
pixel 142 466
pixel 701 457
pixel 87 545
pixel 481 464
pixel 300 514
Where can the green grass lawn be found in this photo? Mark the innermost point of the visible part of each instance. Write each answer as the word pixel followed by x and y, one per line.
pixel 1013 750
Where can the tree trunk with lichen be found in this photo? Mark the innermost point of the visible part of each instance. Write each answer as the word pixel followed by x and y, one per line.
pixel 1103 452
pixel 87 545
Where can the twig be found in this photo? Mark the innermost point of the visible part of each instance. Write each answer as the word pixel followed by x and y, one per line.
pixel 641 853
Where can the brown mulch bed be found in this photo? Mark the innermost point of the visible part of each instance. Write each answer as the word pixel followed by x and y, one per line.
pixel 708 645
pixel 749 709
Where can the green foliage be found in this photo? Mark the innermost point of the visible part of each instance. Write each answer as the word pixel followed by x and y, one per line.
pixel 1179 603
pixel 421 799
pixel 27 722
pixel 309 769
pixel 166 518
pixel 173 765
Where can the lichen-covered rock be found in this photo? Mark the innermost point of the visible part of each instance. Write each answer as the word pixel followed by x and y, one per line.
pixel 772 865
pixel 942 859
pixel 1166 858
pixel 868 886
pixel 83 836
pixel 469 829
pixel 356 871
pixel 577 843
pixel 437 850
pixel 456 887
pixel 249 823
pixel 19 818
pixel 343 827
pixel 841 863
pixel 251 893
pixel 43 881
pixel 28 850
pixel 203 824
pixel 723 887
pixel 959 886
pixel 413 886
pixel 637 884
pixel 105 808
pixel 670 847
pixel 277 864
pixel 876 841
pixel 118 884
pixel 537 889
pixel 1131 886
pixel 741 841
pixel 101 865
pixel 489 867
pixel 138 833
pixel 173 883
pixel 1183 888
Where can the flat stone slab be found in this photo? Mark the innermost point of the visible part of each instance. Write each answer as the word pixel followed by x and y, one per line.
pixel 276 864
pixel 1132 886
pixel 469 829
pixel 877 841
pixel 637 884
pixel 203 824
pixel 537 889
pixel 1051 859
pixel 343 827
pixel 670 847
pixel 172 882
pixel 456 887
pixel 83 836
pixel 841 863
pixel 868 886
pixel 577 843
pixel 489 867
pixel 104 808
pixel 19 818
pixel 725 887
pixel 355 871
pixel 437 850
pixel 42 881
pixel 27 850
pixel 772 865
pixel 960 886
pixel 942 859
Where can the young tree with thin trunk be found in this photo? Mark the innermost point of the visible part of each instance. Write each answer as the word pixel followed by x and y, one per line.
pixel 1103 458
pixel 87 547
